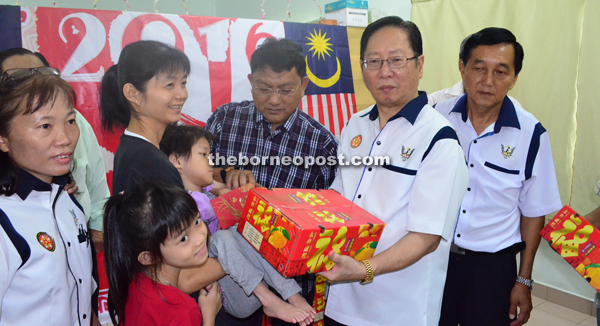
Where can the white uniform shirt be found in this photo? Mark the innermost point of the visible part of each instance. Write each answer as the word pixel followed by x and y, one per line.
pixel 511 172
pixel 45 257
pixel 420 191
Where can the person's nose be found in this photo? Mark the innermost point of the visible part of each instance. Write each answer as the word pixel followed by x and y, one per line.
pixel 488 78
pixel 385 70
pixel 274 98
pixel 66 136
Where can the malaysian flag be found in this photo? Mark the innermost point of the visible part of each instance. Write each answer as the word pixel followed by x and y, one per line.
pixel 330 93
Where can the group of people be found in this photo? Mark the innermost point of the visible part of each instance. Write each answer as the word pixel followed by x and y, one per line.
pixel 469 182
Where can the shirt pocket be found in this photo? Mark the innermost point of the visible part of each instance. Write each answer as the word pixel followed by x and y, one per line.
pixel 501 169
pixel 399 169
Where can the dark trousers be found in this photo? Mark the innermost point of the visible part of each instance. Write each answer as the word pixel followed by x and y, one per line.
pixel 478 287
pixel 330 322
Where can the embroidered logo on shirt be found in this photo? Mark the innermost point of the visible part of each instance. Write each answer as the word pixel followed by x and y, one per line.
pixel 75 219
pixel 406 153
pixel 46 241
pixel 507 152
pixel 355 142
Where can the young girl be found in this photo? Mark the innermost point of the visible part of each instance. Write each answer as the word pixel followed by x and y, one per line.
pixel 188 149
pixel 151 233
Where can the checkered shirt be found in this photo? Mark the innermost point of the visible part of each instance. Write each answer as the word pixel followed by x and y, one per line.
pixel 241 129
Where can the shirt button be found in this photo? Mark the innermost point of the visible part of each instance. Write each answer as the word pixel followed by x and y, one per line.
pixel 471 165
pixel 359 196
pixel 80 281
pixel 378 142
pixel 68 244
pixel 468 189
pixel 370 169
pixel 458 235
pixel 475 141
pixel 84 316
pixel 464 211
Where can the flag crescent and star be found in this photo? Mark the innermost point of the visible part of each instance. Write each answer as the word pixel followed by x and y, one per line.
pixel 320 47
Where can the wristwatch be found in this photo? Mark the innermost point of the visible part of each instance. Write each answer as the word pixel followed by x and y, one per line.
pixel 369 278
pixel 527 282
pixel 224 172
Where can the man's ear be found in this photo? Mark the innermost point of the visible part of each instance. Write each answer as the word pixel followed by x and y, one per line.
pixel 513 82
pixel 4 144
pixel 132 94
pixel 145 258
pixel 461 67
pixel 250 78
pixel 176 161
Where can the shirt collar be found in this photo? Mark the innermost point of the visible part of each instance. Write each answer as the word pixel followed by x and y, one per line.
pixel 290 122
pixel 28 183
pixel 506 118
pixel 409 112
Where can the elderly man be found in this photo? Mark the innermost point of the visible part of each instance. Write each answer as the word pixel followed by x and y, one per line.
pixel 417 195
pixel 512 186
pixel 272 126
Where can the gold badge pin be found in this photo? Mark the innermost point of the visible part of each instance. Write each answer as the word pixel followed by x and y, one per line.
pixel 355 142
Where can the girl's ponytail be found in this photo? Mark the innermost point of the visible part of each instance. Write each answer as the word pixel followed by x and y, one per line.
pixel 120 267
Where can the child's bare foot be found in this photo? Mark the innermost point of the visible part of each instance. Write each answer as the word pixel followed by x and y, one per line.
pixel 282 310
pixel 299 302
pixel 274 307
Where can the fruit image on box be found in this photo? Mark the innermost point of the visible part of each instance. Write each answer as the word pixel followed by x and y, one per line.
pixel 577 242
pixel 295 229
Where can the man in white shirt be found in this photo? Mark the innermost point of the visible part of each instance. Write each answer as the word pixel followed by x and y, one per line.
pixel 417 194
pixel 512 186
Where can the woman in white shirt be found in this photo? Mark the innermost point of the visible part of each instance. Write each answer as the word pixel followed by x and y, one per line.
pixel 45 255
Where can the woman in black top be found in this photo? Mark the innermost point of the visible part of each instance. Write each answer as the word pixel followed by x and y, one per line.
pixel 144 93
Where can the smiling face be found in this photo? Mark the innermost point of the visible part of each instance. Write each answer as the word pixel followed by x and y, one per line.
pixel 187 249
pixel 42 143
pixel 163 99
pixel 197 171
pixel 488 75
pixel 392 88
pixel 274 107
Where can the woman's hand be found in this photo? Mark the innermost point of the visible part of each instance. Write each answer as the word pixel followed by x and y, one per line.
pixel 210 301
pixel 72 188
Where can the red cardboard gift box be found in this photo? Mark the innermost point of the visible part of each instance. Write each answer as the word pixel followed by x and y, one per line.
pixel 295 229
pixel 577 242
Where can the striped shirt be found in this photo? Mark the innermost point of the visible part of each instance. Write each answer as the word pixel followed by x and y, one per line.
pixel 242 131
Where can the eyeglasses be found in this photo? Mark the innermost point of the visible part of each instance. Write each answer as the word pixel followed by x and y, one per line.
pixel 282 92
pixel 393 62
pixel 23 73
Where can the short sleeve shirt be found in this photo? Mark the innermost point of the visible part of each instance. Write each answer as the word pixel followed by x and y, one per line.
pixel 45 256
pixel 511 173
pixel 420 190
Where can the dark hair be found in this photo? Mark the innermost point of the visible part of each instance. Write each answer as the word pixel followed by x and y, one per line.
pixel 138 63
pixel 493 36
pixel 412 31
pixel 179 139
pixel 25 97
pixel 20 51
pixel 278 55
pixel 135 221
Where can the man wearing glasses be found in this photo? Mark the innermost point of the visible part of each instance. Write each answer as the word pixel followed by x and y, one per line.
pixel 417 195
pixel 272 126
